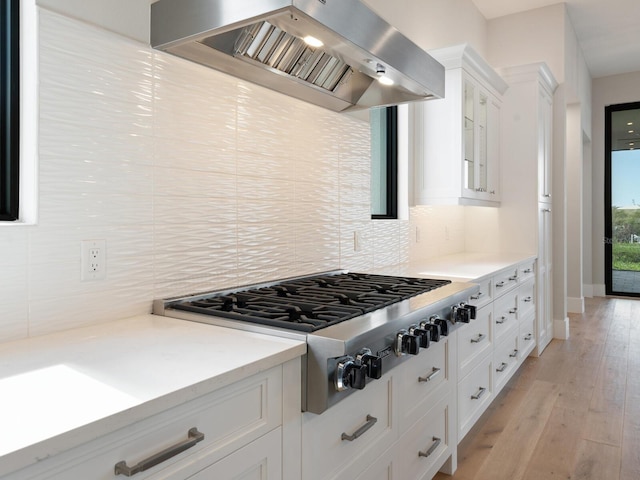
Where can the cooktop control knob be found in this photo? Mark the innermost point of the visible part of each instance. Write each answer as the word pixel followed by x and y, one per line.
pixel 433 329
pixel 471 309
pixel 372 363
pixel 442 323
pixel 406 343
pixel 422 334
pixel 349 374
pixel 463 313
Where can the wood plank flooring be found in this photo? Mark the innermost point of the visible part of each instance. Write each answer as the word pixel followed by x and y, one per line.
pixel 573 413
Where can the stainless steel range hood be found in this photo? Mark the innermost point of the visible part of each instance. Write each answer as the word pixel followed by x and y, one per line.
pixel 263 41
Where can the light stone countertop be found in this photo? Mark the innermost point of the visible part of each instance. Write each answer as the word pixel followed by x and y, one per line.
pixel 61 390
pixel 460 267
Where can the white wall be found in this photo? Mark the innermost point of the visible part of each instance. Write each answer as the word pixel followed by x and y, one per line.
pixel 529 37
pixel 606 91
pixel 574 187
pixel 436 23
pixel 126 17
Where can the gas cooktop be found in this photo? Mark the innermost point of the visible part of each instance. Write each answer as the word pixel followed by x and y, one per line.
pixel 357 326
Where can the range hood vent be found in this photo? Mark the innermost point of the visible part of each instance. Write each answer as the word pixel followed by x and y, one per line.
pixel 334 53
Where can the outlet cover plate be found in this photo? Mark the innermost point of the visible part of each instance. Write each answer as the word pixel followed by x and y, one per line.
pixel 94 260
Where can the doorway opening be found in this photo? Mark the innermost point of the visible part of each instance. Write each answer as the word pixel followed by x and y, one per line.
pixel 622 199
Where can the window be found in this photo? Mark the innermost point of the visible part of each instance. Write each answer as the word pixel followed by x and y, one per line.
pixel 9 109
pixel 384 163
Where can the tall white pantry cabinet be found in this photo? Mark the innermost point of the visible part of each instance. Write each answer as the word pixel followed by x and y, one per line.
pixel 527 211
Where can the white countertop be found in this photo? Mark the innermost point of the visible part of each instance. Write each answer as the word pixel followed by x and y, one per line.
pixel 58 391
pixel 461 267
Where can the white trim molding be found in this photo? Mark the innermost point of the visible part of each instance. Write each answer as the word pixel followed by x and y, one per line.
pixel 575 304
pixel 561 329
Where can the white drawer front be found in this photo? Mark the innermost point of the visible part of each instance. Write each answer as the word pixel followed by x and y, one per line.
pixel 505 315
pixel 527 336
pixel 425 447
pixel 260 460
pixel 475 393
pixel 420 378
pixel 526 298
pixel 329 446
pixel 484 295
pixel 526 271
pixel 229 418
pixel 504 281
pixel 505 361
pixel 474 340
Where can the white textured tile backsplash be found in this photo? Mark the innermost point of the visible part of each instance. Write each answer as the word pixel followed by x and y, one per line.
pixel 195 179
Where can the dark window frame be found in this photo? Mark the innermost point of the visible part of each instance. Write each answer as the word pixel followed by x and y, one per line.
pixel 391 210
pixel 608 214
pixel 9 109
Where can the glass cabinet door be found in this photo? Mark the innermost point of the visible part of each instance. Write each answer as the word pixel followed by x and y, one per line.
pixel 483 176
pixel 469 137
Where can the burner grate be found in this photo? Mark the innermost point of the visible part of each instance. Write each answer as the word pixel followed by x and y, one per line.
pixel 308 304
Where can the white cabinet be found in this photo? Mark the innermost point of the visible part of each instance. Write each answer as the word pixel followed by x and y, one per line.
pixel 342 441
pixel 475 393
pixel 545 146
pixel 400 426
pixel 526 178
pixel 545 276
pixel 235 432
pixel 456 139
pixel 494 345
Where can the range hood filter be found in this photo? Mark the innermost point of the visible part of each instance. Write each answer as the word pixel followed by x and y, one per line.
pixel 263 41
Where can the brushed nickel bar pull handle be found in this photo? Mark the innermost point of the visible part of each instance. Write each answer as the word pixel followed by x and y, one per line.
pixel 528 336
pixel 371 421
pixel 476 297
pixel 513 310
pixel 514 354
pixel 478 394
pixel 547 195
pixel 478 339
pixel 528 270
pixel 502 367
pixel 434 373
pixel 436 443
pixel 501 321
pixel 121 468
pixel 528 299
pixel 513 278
pixel 500 284
pixel 546 210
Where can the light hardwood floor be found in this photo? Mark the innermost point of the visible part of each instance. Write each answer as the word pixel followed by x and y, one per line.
pixel 573 413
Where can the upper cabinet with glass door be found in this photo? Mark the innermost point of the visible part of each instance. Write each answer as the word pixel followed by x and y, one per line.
pixel 456 140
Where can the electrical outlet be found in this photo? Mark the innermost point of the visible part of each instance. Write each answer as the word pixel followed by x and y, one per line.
pixel 94 264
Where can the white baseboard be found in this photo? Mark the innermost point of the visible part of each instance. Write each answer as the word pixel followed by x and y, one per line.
pixel 599 291
pixel 587 290
pixel 575 305
pixel 561 329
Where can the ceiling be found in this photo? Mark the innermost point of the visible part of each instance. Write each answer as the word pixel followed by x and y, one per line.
pixel 607 30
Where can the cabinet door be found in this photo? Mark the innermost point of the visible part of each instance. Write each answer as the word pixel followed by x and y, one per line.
pixel 469 152
pixel 260 460
pixel 492 188
pixel 482 183
pixel 545 125
pixel 544 307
